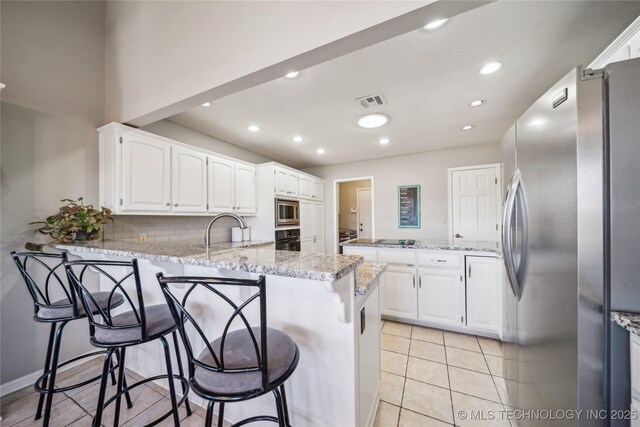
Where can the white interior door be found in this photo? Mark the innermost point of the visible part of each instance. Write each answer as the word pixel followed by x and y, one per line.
pixel 474 204
pixel 364 213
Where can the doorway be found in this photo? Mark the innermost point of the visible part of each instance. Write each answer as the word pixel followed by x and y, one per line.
pixel 353 210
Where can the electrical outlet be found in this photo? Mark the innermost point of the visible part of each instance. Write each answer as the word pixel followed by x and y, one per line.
pixel 443 219
pixel 143 237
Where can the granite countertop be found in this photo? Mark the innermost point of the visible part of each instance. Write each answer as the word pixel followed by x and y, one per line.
pixel 249 256
pixel 629 321
pixel 366 274
pixel 470 246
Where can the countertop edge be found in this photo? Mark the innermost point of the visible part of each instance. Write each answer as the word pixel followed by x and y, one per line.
pixel 629 321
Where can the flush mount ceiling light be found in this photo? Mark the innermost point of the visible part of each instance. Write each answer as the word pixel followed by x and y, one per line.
pixel 467 127
pixel 371 121
pixel 297 139
pixel 477 103
pixel 491 67
pixel 253 128
pixel 292 74
pixel 206 104
pixel 320 151
pixel 383 141
pixel 435 24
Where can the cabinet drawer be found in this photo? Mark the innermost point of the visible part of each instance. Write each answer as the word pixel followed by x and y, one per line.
pixel 397 256
pixel 439 259
pixel 369 254
pixel 635 365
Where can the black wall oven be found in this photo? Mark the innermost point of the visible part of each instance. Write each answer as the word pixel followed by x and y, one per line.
pixel 287 212
pixel 288 240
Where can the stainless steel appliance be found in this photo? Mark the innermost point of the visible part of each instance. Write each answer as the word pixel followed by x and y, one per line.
pixel 570 240
pixel 288 240
pixel 287 212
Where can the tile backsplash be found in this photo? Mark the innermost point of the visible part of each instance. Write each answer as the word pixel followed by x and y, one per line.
pixel 187 229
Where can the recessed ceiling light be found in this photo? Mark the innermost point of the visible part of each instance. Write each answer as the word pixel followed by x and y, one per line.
pixel 435 24
pixel 320 151
pixel 383 141
pixel 491 67
pixel 476 103
pixel 2 86
pixel 253 128
pixel 206 104
pixel 292 74
pixel 297 139
pixel 374 120
pixel 467 127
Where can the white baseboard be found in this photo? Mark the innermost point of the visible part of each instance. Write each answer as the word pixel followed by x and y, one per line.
pixel 30 379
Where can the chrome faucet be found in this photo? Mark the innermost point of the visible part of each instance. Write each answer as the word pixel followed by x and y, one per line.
pixel 207 233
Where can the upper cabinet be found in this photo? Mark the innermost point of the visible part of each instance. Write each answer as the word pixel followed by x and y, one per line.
pixel 145 174
pixel 311 188
pixel 318 190
pixel 286 182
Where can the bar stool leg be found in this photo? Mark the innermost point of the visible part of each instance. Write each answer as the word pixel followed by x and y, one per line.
pixel 47 365
pixel 124 378
pixel 52 374
pixel 285 407
pixel 121 355
pixel 181 371
pixel 221 415
pixel 208 422
pixel 172 386
pixel 281 422
pixel 97 419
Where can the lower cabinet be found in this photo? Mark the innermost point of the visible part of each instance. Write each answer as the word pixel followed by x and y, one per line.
pixel 440 296
pixel 483 293
pixel 318 245
pixel 398 292
pixel 306 245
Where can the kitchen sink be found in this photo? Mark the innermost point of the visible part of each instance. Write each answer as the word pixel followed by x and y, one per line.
pixel 396 242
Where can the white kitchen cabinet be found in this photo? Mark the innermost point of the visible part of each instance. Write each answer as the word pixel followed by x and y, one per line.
pixel 221 185
pixel 318 244
pixel 245 189
pixel 369 363
pixel 293 182
pixel 281 181
pixel 306 187
pixel 188 181
pixel 318 219
pixel 440 296
pixel 483 277
pixel 307 226
pixel 318 190
pixel 398 292
pixel 306 245
pixel 146 174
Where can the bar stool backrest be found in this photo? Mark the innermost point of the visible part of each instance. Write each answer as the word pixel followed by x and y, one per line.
pixel 178 302
pixel 54 286
pixel 118 274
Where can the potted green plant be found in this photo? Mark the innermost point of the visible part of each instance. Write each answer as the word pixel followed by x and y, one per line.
pixel 74 222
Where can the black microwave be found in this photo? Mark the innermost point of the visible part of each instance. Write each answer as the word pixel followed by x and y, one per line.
pixel 287 213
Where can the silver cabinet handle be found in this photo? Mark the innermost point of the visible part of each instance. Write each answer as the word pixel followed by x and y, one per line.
pixel 168 204
pixel 458 236
pixel 175 204
pixel 414 281
pixel 420 282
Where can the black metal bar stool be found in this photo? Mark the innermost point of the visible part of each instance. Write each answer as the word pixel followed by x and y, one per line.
pixel 115 332
pixel 240 364
pixel 55 302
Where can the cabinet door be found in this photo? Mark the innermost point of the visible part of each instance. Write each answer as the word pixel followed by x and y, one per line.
pixel 483 293
pixel 281 182
pixel 146 174
pixel 245 189
pixel 318 245
pixel 306 245
pixel 292 185
pixel 318 219
pixel 440 296
pixel 318 190
pixel 188 180
pixel 221 185
pixel 306 188
pixel 398 292
pixel 306 219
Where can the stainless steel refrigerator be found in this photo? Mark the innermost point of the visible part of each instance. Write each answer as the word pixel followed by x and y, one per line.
pixel 571 242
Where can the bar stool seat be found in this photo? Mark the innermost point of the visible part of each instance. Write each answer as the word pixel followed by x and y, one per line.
pixel 61 309
pixel 159 322
pixel 239 353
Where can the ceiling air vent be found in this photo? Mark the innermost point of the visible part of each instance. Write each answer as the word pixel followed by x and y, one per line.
pixel 369 101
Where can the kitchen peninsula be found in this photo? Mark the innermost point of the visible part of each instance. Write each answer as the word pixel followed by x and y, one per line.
pixel 329 304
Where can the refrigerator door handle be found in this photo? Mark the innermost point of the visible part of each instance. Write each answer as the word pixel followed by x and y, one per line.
pixel 507 236
pixel 524 241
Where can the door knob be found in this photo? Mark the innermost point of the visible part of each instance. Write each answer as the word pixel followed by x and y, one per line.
pixel 458 236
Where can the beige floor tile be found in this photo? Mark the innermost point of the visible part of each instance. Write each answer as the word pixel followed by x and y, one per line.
pixel 382 322
pixel 496 365
pixel 5 400
pixel 467 408
pixel 414 419
pixel 466 359
pixel 428 372
pixel 490 346
pixel 427 334
pixel 395 328
pixel 160 408
pixel 428 400
pixel 394 362
pixel 427 350
pixel 391 388
pixel 464 341
pixel 63 414
pixel 82 422
pixel 25 407
pixel 395 343
pixel 501 386
pixel 143 398
pixel 473 383
pixel 387 415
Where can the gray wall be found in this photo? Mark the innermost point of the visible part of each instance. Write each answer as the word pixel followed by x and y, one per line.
pixel 189 136
pixel 429 169
pixel 52 61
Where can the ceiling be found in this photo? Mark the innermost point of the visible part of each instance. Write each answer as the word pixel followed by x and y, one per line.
pixel 427 78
